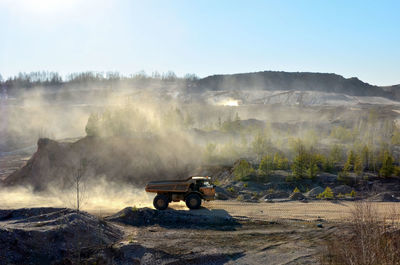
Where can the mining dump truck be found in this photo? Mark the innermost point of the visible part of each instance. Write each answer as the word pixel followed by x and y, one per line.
pixel 191 190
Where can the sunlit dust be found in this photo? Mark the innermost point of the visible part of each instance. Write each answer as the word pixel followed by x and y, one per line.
pixel 232 103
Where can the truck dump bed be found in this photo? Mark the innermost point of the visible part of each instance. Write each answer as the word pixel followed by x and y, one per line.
pixel 169 186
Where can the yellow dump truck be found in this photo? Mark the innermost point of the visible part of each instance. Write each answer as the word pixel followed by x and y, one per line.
pixel 191 190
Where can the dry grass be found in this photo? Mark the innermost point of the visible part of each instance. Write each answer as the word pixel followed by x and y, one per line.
pixel 371 239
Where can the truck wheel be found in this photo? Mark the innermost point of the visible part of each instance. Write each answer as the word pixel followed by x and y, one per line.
pixel 193 201
pixel 160 202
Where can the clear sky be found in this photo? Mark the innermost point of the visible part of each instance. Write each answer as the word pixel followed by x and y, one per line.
pixel 347 37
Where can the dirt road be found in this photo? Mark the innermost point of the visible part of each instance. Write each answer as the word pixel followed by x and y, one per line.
pixel 311 211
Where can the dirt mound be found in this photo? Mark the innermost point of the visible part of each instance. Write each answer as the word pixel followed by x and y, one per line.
pixel 297 196
pixel 343 189
pixel 118 159
pixel 384 197
pixel 314 192
pixel 276 195
pixel 218 219
pixel 222 194
pixel 47 235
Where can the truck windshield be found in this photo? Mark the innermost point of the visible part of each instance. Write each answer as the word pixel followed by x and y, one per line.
pixel 206 183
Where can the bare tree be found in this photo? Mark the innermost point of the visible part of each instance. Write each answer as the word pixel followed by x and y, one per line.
pixel 79 184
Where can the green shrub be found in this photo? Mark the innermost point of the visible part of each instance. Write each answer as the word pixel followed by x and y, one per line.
pixel 326 194
pixel 296 190
pixel 231 189
pixel 245 185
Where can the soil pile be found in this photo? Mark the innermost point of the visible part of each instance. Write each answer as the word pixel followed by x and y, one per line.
pixel 384 197
pixel 297 196
pixel 314 192
pixel 342 189
pixel 276 195
pixel 174 218
pixel 47 235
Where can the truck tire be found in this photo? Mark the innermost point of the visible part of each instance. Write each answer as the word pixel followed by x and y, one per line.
pixel 160 202
pixel 193 201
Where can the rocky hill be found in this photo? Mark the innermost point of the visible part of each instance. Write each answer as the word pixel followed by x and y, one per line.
pixel 299 81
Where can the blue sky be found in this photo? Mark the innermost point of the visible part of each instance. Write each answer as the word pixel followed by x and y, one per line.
pixel 350 38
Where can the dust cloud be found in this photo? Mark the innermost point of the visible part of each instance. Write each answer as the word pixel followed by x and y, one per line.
pixel 100 199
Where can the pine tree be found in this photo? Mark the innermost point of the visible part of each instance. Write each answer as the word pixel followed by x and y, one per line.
pixel 312 170
pixel 336 154
pixel 266 165
pixel 276 161
pixel 358 166
pixel 349 165
pixel 387 165
pixel 261 145
pixel 365 157
pixel 326 194
pixel 327 164
pixel 299 162
pixel 283 163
